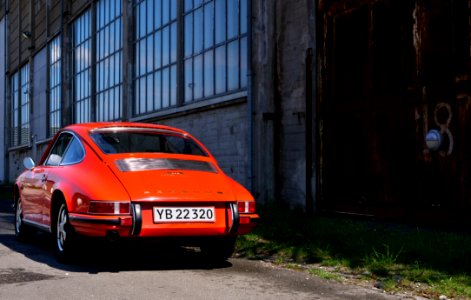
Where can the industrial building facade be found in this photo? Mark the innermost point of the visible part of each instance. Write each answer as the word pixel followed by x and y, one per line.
pixel 322 104
pixel 149 61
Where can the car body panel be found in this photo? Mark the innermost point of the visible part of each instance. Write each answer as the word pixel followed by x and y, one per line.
pixel 194 181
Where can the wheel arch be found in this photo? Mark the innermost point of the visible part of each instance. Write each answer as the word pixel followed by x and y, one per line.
pixel 56 199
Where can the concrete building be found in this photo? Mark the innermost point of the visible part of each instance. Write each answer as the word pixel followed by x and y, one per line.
pixel 189 64
pixel 322 104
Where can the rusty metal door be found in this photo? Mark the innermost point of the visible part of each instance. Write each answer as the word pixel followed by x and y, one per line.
pixel 375 109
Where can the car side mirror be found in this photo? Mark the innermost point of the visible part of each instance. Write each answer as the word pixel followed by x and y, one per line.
pixel 28 163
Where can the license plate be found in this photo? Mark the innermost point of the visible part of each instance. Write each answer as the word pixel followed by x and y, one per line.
pixel 184 214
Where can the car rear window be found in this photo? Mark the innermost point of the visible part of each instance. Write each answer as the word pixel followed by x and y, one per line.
pixel 150 142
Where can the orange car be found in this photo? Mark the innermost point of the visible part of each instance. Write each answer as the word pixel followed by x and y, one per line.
pixel 131 180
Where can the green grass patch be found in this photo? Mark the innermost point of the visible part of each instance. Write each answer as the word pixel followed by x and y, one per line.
pixel 396 256
pixel 325 274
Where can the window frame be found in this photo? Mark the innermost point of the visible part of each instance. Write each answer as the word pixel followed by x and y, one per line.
pixel 54 73
pixel 20 107
pixel 87 89
pixel 73 137
pixel 207 51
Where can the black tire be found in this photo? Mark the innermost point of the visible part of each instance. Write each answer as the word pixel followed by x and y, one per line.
pixel 63 234
pixel 219 249
pixel 23 232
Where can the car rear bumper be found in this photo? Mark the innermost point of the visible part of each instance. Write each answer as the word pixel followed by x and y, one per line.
pixel 139 224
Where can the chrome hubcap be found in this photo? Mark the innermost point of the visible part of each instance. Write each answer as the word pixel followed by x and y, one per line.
pixel 61 232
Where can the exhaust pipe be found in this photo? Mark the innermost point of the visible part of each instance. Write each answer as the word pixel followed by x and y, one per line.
pixel 112 236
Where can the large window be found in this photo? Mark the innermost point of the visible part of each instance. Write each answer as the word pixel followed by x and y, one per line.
pixel 211 50
pixel 82 49
pixel 109 61
pixel 156 55
pixel 215 47
pixel 20 119
pixel 98 75
pixel 55 96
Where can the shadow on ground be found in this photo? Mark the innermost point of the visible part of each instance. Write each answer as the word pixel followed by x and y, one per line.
pixel 97 255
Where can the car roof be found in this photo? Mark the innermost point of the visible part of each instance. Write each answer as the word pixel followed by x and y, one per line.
pixel 84 128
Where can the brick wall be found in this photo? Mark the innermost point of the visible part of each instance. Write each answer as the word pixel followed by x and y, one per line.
pixel 224 131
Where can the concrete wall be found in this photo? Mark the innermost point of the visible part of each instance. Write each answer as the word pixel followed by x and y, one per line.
pixel 282 33
pixel 2 99
pixel 295 36
pixel 263 97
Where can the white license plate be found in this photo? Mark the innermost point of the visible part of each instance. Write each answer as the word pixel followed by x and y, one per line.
pixel 184 214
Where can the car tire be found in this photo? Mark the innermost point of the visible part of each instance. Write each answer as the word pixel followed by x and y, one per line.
pixel 219 249
pixel 23 232
pixel 63 234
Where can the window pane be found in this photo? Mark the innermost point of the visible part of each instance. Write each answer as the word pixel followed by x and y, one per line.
pixel 198 77
pixel 173 46
pixel 158 90
pixel 142 58
pixel 233 65
pixel 220 25
pixel 165 46
pixel 208 74
pixel 209 25
pixel 158 13
pixel 165 87
pixel 243 62
pixel 150 16
pixel 188 80
pixel 198 31
pixel 142 96
pixel 173 10
pixel 173 85
pixel 150 57
pixel 142 20
pixel 232 19
pixel 243 16
pixel 165 11
pixel 150 93
pixel 220 64
pixel 158 50
pixel 188 35
pixel 188 5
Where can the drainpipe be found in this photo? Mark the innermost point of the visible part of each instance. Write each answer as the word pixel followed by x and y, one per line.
pixel 312 137
pixel 277 134
pixel 7 120
pixel 250 104
pixel 308 131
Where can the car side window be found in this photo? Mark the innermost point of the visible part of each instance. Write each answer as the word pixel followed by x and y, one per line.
pixel 66 150
pixel 74 153
pixel 58 150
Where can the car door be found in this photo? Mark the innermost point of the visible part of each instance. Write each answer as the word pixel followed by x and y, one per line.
pixel 61 170
pixel 49 172
pixel 31 193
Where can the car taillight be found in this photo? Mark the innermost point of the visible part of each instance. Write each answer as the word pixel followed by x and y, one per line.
pixel 246 207
pixel 109 208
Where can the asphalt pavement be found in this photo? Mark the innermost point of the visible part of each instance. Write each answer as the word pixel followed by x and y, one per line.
pixel 29 270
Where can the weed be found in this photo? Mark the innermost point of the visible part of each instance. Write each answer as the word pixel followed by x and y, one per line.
pixel 430 261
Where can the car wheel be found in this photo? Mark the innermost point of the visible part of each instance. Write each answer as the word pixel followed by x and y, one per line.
pixel 63 234
pixel 22 231
pixel 219 249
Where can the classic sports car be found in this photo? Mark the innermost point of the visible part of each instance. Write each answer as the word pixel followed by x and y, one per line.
pixel 131 180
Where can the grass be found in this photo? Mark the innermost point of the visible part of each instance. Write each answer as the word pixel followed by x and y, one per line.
pixel 393 257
